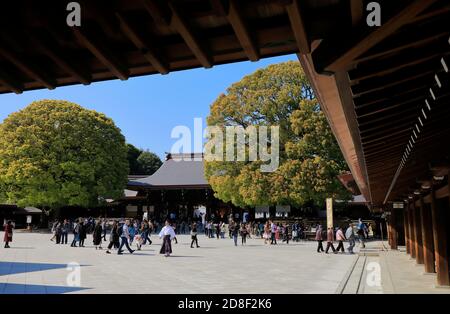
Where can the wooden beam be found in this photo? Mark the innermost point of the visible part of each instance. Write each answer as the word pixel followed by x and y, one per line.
pixel 155 11
pixel 10 83
pixel 140 43
pixel 440 241
pixel 298 27
pixel 57 55
pixel 328 60
pixel 26 68
pixel 241 30
pixel 418 233
pixel 191 40
pixel 357 9
pixel 427 236
pixel 406 226
pixel 102 53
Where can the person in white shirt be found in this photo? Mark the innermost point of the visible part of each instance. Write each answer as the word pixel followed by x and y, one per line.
pixel 125 237
pixel 167 234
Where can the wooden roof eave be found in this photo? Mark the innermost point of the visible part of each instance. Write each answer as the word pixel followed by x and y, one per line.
pixel 330 97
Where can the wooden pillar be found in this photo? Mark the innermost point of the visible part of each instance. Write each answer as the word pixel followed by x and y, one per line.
pixel 418 233
pixel 427 237
pixel 394 233
pixel 440 242
pixel 412 230
pixel 406 226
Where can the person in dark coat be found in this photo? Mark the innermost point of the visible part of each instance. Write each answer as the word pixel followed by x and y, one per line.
pixel 82 235
pixel 114 237
pixel 98 235
pixel 8 234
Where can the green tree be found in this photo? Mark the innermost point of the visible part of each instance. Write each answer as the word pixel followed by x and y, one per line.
pixel 149 162
pixel 55 153
pixel 133 154
pixel 310 159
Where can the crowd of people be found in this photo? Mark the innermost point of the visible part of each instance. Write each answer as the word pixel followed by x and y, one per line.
pixel 124 234
pixel 352 233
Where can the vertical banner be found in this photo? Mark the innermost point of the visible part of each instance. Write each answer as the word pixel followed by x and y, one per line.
pixel 330 223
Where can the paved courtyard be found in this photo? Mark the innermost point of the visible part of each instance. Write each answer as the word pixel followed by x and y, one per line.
pixel 36 265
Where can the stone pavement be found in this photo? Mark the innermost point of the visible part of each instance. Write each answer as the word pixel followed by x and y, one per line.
pixel 36 265
pixel 395 272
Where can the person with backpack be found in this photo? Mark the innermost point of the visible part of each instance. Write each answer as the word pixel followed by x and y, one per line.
pixel 76 234
pixel 244 234
pixel 361 233
pixel 350 235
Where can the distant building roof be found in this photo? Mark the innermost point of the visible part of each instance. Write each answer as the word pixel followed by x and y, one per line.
pixel 178 171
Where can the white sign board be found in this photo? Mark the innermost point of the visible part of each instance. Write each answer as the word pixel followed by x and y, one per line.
pixel 29 219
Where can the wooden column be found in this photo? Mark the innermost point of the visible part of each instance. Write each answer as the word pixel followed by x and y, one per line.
pixel 418 233
pixel 412 231
pixel 406 225
pixel 394 234
pixel 427 237
pixel 440 242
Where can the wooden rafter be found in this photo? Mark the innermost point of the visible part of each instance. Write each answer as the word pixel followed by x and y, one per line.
pixel 10 83
pixel 298 26
pixel 26 68
pixel 190 38
pixel 242 32
pixel 141 44
pixel 102 53
pixel 329 61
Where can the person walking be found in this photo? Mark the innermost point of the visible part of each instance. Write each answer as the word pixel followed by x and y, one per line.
pixel 76 234
pixel 330 240
pixel 340 237
pixel 125 237
pixel 55 224
pixel 8 237
pixel 194 235
pixel 361 233
pixel 98 235
pixel 167 234
pixel 350 235
pixel 235 233
pixel 218 230
pixel 114 237
pixel 286 234
pixel 82 234
pixel 244 234
pixel 319 239
pixel 58 232
pixel 65 231
pixel 273 231
pixel 104 229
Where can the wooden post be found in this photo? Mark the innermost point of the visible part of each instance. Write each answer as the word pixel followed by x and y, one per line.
pixel 412 231
pixel 406 225
pixel 418 233
pixel 440 242
pixel 427 237
pixel 394 234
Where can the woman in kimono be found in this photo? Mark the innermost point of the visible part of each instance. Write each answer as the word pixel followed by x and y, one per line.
pixel 8 234
pixel 98 235
pixel 167 234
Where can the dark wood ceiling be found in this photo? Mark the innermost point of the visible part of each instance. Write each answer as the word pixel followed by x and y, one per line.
pixel 389 82
pixel 126 38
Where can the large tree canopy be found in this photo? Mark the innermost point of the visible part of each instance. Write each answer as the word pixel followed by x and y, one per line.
pixel 142 162
pixel 55 153
pixel 310 159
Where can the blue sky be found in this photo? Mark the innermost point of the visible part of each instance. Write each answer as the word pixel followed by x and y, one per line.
pixel 147 108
